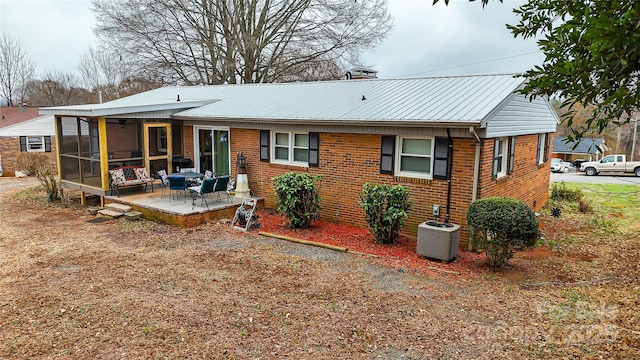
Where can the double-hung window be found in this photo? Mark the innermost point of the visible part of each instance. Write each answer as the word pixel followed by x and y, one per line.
pixel 415 157
pixel 290 148
pixel 500 148
pixel 35 143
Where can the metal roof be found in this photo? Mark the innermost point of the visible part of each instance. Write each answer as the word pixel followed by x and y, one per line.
pixel 453 100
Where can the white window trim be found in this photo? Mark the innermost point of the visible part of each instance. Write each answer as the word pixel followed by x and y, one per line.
pixel 42 145
pixel 542 140
pixel 398 157
pixel 504 154
pixel 291 146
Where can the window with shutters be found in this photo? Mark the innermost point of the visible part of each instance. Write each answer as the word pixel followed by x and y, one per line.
pixel 290 148
pixel 414 157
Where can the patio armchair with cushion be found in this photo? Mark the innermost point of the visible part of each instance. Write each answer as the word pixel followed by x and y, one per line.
pixel 202 190
pixel 208 174
pixel 177 184
pixel 164 181
pixel 221 185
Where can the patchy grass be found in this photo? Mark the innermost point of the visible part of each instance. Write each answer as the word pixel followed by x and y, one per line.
pixel 72 289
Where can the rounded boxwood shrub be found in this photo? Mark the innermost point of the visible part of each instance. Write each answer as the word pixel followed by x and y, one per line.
pixel 298 197
pixel 501 224
pixel 385 208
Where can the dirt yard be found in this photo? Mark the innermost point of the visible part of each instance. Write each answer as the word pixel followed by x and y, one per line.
pixel 74 289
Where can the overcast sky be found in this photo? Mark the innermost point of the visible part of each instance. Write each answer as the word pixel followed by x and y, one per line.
pixel 427 40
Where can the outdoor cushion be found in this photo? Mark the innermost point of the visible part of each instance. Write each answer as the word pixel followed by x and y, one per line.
pixel 117 176
pixel 141 173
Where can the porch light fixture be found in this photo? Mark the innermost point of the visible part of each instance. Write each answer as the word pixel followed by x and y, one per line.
pixel 122 122
pixel 223 136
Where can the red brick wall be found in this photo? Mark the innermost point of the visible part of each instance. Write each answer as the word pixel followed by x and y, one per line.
pixel 10 149
pixel 347 161
pixel 529 181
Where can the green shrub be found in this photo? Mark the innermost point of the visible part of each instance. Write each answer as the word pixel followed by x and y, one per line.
pixel 298 197
pixel 40 166
pixel 385 208
pixel 500 225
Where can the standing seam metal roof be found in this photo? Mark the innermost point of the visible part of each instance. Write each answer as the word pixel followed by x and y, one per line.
pixel 436 99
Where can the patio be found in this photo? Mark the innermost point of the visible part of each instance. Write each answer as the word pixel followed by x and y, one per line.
pixel 180 211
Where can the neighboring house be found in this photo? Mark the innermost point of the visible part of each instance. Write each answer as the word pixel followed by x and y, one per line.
pixel 587 149
pixel 449 140
pixel 24 130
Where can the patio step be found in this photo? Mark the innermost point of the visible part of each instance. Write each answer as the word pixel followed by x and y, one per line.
pixel 133 215
pixel 109 213
pixel 121 208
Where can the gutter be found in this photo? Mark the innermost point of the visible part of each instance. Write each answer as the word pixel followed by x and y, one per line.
pixel 333 122
pixel 449 166
pixel 476 175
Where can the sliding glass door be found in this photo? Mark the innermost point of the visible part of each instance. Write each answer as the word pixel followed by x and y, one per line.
pixel 212 150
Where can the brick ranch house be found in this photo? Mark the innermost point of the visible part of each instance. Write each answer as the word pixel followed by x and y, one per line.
pixel 450 140
pixel 23 130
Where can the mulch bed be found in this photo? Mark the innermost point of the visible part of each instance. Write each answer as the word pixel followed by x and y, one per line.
pixel 401 256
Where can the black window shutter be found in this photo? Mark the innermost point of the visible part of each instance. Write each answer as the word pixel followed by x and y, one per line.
pixel 387 151
pixel 496 158
pixel 546 146
pixel 512 154
pixel 47 143
pixel 314 147
pixel 441 158
pixel 23 143
pixel 264 145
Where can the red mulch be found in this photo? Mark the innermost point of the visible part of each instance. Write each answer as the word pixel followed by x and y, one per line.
pixel 401 256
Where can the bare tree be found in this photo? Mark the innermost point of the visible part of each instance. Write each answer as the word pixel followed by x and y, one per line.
pixel 102 71
pixel 229 41
pixel 56 88
pixel 16 70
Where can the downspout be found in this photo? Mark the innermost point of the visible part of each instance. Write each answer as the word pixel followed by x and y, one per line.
pixel 476 175
pixel 449 166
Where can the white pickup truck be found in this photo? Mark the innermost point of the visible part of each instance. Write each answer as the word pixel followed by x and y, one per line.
pixel 611 164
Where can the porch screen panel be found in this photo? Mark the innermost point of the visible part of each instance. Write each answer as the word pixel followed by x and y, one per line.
pixel 85 140
pixel 69 140
pixel 70 168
